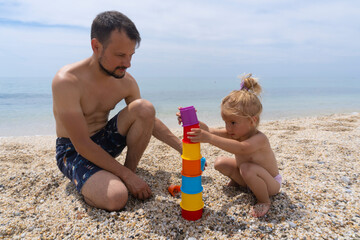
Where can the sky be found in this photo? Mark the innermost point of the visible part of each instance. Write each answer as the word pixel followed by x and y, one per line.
pixel 189 38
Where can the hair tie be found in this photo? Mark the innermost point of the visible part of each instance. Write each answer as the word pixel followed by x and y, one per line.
pixel 243 87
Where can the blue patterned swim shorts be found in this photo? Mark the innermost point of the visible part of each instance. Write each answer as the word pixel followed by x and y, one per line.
pixel 77 168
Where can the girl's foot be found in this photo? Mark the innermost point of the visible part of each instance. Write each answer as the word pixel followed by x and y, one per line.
pixel 232 183
pixel 260 209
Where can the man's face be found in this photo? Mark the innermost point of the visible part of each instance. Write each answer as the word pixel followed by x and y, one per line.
pixel 115 58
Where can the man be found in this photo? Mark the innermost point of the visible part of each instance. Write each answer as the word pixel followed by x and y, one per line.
pixel 83 95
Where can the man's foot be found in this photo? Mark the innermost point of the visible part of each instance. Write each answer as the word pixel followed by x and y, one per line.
pixel 260 209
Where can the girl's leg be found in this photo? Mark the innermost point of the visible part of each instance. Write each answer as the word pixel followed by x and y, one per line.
pixel 229 168
pixel 262 184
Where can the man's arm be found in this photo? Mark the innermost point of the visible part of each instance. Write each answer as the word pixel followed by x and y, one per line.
pixel 163 133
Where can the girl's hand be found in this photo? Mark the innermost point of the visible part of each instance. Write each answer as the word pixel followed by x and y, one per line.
pixel 198 135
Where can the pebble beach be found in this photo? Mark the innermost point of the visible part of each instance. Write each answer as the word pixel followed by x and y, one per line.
pixel 318 157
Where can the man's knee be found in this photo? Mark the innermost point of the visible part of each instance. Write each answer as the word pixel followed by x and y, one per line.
pixel 106 191
pixel 143 108
pixel 116 200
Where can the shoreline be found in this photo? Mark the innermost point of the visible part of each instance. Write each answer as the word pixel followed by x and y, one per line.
pixel 219 123
pixel 317 156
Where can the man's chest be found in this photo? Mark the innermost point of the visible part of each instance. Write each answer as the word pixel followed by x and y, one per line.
pixel 101 98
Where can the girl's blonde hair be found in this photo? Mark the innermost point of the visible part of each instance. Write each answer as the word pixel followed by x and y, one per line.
pixel 244 102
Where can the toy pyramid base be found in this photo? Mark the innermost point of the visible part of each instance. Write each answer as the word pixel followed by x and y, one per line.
pixel 191 215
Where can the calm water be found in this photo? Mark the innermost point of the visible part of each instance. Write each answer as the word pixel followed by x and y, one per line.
pixel 26 103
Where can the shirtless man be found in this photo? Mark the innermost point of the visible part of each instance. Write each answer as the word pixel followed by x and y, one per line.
pixel 83 95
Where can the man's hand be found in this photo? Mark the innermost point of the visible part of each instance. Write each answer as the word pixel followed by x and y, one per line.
pixel 138 187
pixel 178 115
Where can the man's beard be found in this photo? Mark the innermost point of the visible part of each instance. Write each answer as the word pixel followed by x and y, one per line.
pixel 113 74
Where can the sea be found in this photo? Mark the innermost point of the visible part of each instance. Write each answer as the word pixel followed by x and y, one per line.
pixel 26 102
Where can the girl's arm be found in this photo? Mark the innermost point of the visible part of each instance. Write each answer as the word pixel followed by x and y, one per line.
pixel 230 145
pixel 217 131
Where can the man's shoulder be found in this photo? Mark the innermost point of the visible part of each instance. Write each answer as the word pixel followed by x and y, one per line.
pixel 65 74
pixel 129 77
pixel 66 79
pixel 69 74
pixel 128 81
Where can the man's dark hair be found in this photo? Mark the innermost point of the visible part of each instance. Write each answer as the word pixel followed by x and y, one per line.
pixel 108 21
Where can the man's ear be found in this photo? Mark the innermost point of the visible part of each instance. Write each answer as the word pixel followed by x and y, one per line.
pixel 96 46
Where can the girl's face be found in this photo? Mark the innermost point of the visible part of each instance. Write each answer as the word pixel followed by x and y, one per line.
pixel 238 127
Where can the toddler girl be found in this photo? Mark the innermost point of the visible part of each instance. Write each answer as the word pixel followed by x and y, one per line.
pixel 254 164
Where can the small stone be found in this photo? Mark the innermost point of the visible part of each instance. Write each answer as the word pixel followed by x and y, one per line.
pixel 291 224
pixel 292 206
pixel 262 228
pixel 345 179
pixel 301 205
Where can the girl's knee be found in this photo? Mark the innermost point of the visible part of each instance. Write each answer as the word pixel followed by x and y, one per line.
pixel 219 164
pixel 245 166
pixel 224 165
pixel 247 170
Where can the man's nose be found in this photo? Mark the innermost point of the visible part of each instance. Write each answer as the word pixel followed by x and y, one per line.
pixel 127 62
